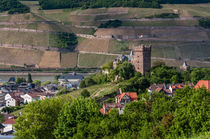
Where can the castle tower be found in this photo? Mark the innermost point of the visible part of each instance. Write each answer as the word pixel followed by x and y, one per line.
pixel 141 58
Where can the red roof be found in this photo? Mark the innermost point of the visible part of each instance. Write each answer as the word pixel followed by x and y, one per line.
pixel 9 121
pixel 132 95
pixel 203 83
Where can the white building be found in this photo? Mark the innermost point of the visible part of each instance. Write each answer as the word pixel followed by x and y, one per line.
pixel 8 124
pixel 74 79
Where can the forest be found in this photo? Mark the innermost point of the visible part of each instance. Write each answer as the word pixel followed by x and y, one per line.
pixel 152 116
pixel 56 4
pixel 13 7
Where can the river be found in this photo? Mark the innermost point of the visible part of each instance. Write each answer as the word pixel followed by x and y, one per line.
pixel 35 76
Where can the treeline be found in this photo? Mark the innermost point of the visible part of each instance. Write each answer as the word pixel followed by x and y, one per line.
pixel 132 81
pixel 152 116
pixel 56 4
pixel 13 7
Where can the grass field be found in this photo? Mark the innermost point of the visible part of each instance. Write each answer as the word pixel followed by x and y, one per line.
pixel 94 60
pixel 26 38
pixel 68 60
pixel 96 90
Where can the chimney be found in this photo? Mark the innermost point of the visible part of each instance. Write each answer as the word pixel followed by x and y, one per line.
pixel 120 90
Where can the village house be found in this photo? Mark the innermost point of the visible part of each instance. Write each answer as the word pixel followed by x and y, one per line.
pixel 8 125
pixel 30 97
pixel 203 83
pixel 1 128
pixel 74 79
pixel 168 89
pixel 120 101
pixel 125 98
pixel 120 58
pixel 13 99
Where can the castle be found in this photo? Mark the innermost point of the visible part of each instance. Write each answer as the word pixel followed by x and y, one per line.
pixel 140 57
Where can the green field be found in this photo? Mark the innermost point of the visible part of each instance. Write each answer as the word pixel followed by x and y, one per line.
pixel 94 60
pixel 96 90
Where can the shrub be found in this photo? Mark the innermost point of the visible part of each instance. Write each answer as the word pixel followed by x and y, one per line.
pixel 85 93
pixel 111 24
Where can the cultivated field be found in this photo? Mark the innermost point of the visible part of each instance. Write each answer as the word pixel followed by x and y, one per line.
pixel 26 38
pixel 20 57
pixel 68 60
pixel 94 45
pixel 50 59
pixel 94 60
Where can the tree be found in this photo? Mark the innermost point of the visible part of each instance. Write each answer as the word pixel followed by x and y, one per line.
pixel 85 93
pixel 39 119
pixel 46 82
pixel 125 70
pixel 20 80
pixel 29 78
pixel 192 112
pixel 82 84
pixel 1 118
pixel 197 75
pixel 74 115
pixel 37 82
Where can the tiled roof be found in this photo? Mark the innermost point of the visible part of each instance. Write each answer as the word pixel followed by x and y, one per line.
pixel 203 83
pixel 158 89
pixel 9 121
pixel 132 95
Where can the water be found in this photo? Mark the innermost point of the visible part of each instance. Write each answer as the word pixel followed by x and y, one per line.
pixel 42 78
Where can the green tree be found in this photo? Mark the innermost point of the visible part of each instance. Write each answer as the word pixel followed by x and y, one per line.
pixel 29 78
pixel 46 82
pixel 78 113
pixel 85 93
pixel 39 119
pixel 1 118
pixel 192 113
pixel 37 82
pixel 125 70
pixel 20 80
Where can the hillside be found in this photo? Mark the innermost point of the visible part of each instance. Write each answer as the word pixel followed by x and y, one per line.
pixel 167 35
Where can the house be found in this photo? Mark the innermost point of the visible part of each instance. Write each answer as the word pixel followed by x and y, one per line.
pixel 30 97
pixel 120 102
pixel 51 88
pixel 13 99
pixel 108 106
pixel 125 98
pixel 168 89
pixel 74 79
pixel 1 128
pixel 120 58
pixel 8 124
pixel 203 83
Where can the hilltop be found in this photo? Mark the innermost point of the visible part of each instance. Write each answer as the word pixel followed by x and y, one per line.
pixel 173 39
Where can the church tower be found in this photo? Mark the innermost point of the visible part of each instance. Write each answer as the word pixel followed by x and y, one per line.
pixel 140 57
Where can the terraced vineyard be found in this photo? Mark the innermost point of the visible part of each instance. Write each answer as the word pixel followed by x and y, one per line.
pixel 178 39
